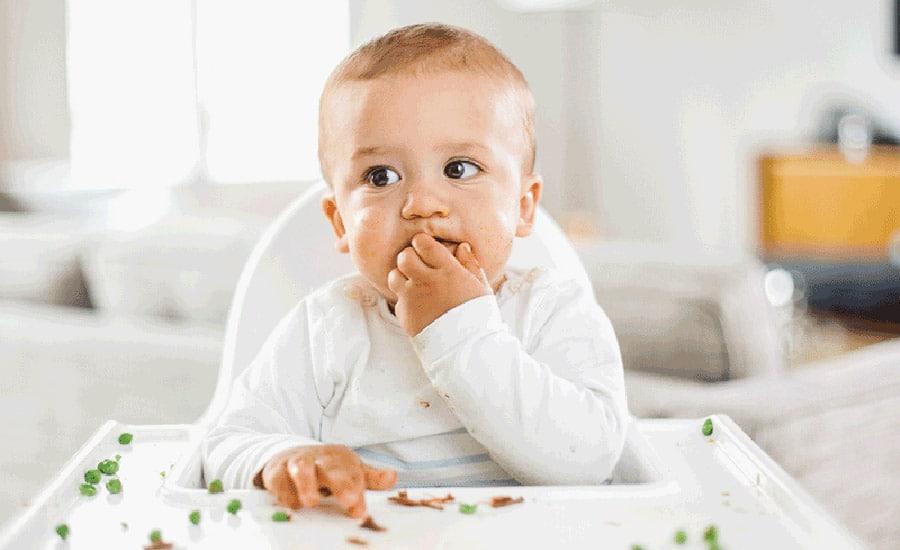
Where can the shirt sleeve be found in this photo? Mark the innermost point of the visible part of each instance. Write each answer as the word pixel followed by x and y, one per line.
pixel 273 406
pixel 552 414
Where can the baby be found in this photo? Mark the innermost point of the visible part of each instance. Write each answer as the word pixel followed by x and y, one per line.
pixel 434 365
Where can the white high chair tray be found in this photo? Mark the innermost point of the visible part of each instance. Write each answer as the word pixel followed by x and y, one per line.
pixel 697 481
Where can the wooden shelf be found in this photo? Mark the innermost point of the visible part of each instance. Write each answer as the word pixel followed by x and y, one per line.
pixel 816 204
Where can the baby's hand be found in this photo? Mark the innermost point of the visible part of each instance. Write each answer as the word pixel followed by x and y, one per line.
pixel 295 477
pixel 429 281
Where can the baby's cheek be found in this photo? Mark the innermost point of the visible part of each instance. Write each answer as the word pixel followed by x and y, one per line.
pixel 372 237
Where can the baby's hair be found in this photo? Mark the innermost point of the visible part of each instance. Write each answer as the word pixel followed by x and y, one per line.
pixel 432 48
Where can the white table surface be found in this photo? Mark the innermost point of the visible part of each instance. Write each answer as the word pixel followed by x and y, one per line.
pixel 694 482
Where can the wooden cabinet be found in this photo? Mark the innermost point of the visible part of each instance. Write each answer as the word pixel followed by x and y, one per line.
pixel 818 205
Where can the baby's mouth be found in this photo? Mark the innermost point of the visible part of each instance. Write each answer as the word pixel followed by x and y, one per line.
pixel 449 245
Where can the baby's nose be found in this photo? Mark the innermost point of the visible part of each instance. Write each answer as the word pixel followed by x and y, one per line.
pixel 424 200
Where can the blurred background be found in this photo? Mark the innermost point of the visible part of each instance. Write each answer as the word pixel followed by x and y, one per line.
pixel 729 171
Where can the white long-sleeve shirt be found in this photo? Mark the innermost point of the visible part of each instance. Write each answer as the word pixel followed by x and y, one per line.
pixel 522 387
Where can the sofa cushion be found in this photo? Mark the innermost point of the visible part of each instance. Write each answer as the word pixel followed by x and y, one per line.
pixel 181 267
pixel 39 259
pixel 686 312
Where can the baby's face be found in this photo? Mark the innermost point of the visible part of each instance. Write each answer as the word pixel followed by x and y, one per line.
pixel 440 154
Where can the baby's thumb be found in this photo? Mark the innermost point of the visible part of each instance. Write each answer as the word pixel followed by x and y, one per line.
pixel 379 479
pixel 468 260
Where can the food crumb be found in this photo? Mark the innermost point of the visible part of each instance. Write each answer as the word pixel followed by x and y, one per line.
pixel 370 524
pixel 156 541
pixel 114 486
pixel 62 530
pixel 125 438
pixel 108 467
pixel 436 503
pixel 425 404
pixel 215 486
pixel 234 506
pixel 194 517
pixel 707 427
pixel 680 536
pixel 468 508
pixel 281 516
pixel 357 540
pixel 497 502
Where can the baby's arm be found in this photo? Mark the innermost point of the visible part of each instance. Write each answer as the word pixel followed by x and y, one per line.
pixel 554 413
pixel 266 437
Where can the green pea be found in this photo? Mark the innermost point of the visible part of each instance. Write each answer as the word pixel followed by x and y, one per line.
pixel 711 535
pixel 156 535
pixel 114 486
pixel 62 530
pixel 118 458
pixel 234 506
pixel 215 486
pixel 680 537
pixel 92 476
pixel 281 516
pixel 195 517
pixel 87 489
pixel 125 438
pixel 108 467
pixel 707 427
pixel 468 508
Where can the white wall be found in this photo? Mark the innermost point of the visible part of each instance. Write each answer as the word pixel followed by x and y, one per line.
pixel 691 92
pixel 650 112
pixel 34 118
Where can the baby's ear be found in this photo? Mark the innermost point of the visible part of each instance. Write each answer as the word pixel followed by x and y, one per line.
pixel 528 203
pixel 330 208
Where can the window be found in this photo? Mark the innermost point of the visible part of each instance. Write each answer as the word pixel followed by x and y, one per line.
pixel 164 92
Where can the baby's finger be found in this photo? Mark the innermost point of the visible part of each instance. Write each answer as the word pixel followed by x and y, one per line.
pixel 346 486
pixel 468 260
pixel 379 479
pixel 396 281
pixel 282 488
pixel 410 264
pixel 302 471
pixel 358 510
pixel 432 253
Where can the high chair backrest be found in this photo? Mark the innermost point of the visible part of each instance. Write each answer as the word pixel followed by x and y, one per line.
pixel 296 255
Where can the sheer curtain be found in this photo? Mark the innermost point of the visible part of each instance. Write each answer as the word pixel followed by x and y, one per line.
pixel 164 92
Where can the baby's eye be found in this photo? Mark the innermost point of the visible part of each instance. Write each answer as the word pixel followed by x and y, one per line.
pixel 382 176
pixel 461 169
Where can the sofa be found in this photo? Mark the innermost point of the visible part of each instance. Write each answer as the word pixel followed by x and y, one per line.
pixel 700 335
pixel 106 317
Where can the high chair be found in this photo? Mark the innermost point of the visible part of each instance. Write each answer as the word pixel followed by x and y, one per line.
pixel 671 478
